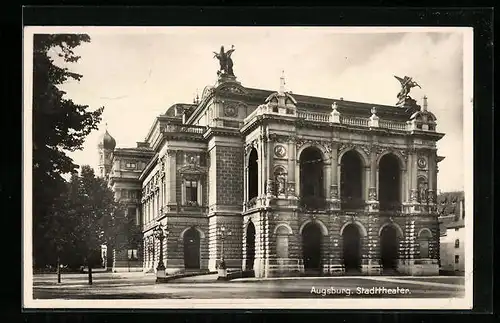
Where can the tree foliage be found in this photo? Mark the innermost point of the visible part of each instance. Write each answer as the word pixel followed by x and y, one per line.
pixel 59 126
pixel 84 217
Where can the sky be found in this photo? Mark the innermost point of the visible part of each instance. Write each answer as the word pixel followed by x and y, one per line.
pixel 137 74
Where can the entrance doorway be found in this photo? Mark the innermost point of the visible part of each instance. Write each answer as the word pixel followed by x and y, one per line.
pixel 250 246
pixel 389 248
pixel 192 249
pixel 352 248
pixel 311 247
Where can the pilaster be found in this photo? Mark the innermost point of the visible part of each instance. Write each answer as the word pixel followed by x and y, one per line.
pixel 373 242
pixel 172 179
pixel 372 202
pixel 270 189
pixel 334 182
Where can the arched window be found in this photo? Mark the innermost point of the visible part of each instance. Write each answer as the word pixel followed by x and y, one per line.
pixel 253 176
pixel 312 195
pixel 351 181
pixel 389 183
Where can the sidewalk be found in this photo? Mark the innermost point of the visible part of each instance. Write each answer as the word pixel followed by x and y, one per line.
pixel 418 280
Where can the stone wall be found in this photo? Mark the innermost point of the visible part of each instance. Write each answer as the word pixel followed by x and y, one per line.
pixel 229 170
pixel 230 246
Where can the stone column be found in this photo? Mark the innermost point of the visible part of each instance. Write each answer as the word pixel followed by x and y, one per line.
pixel 334 182
pixel 172 178
pixel 373 203
pixel 327 180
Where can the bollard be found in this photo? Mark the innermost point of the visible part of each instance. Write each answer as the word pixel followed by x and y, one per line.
pixel 58 271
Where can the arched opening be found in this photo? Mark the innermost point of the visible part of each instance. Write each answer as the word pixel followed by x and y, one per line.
pixel 351 238
pixel 253 175
pixel 351 181
pixel 192 249
pixel 389 183
pixel 311 248
pixel 282 233
pixel 250 246
pixel 389 248
pixel 311 179
pixel 423 241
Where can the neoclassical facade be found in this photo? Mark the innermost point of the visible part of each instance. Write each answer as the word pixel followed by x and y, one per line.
pixel 284 184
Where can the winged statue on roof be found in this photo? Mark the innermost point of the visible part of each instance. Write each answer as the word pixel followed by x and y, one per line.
pixel 404 98
pixel 407 83
pixel 225 61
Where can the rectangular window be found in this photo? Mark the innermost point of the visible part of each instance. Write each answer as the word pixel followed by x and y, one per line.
pixel 132 254
pixel 457 243
pixel 457 259
pixel 131 165
pixel 191 192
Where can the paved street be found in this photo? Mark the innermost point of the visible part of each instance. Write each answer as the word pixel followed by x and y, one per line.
pixel 138 285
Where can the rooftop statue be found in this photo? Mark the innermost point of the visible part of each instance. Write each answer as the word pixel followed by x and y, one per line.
pixel 404 98
pixel 225 61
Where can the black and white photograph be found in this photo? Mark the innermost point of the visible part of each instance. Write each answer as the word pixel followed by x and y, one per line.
pixel 248 167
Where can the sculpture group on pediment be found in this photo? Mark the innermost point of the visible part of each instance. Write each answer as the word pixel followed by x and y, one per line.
pixel 191 159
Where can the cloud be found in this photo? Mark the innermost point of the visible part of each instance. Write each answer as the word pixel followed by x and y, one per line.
pixel 179 62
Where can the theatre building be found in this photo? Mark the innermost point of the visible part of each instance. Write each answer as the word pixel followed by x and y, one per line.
pixel 285 184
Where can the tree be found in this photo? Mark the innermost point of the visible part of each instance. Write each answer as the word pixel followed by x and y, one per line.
pixel 59 126
pixel 83 218
pixel 96 208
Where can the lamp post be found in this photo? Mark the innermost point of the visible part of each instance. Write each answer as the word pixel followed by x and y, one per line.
pixel 222 269
pixel 160 233
pixel 58 264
